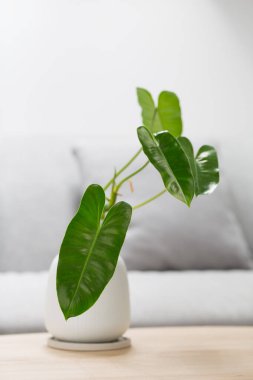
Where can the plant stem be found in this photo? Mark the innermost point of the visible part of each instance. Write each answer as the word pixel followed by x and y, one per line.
pixel 122 169
pixel 113 196
pixel 130 176
pixel 115 188
pixel 149 200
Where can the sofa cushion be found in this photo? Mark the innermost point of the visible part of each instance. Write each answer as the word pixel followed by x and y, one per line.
pixel 157 299
pixel 165 234
pixel 238 160
pixel 191 298
pixel 22 298
pixel 37 200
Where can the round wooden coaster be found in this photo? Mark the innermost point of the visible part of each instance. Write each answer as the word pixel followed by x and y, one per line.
pixel 121 342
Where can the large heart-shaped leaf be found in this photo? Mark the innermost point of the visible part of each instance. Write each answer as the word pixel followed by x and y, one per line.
pixel 188 148
pixel 205 166
pixel 169 158
pixel 89 251
pixel 165 117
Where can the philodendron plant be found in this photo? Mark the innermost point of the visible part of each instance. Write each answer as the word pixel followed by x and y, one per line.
pixel 93 240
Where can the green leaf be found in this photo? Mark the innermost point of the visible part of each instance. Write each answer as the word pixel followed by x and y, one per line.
pixel 169 112
pixel 188 148
pixel 89 251
pixel 165 117
pixel 148 107
pixel 169 158
pixel 204 166
pixel 207 170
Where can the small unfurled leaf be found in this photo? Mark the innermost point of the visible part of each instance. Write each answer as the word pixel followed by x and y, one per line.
pixel 148 107
pixel 169 158
pixel 205 166
pixel 89 251
pixel 169 112
pixel 165 117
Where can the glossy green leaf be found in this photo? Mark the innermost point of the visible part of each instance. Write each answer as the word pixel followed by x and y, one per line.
pixel 89 251
pixel 207 170
pixel 188 148
pixel 165 117
pixel 169 158
pixel 169 112
pixel 204 166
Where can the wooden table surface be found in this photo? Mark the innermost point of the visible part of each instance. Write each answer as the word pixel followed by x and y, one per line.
pixel 206 353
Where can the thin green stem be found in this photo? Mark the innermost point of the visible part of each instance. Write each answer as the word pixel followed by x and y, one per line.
pixel 115 188
pixel 113 196
pixel 122 169
pixel 149 200
pixel 130 176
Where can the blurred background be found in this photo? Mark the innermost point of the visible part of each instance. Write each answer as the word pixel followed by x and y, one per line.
pixel 68 73
pixel 71 67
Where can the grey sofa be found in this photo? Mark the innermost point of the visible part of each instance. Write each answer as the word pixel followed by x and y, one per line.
pixel 186 267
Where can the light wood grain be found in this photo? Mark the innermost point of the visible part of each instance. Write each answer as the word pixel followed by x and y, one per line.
pixel 206 353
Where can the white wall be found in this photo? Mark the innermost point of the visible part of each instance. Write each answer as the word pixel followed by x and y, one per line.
pixel 71 66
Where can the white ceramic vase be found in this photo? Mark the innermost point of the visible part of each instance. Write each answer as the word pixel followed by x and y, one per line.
pixel 105 321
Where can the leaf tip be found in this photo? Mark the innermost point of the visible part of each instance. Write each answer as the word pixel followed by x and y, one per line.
pixel 188 204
